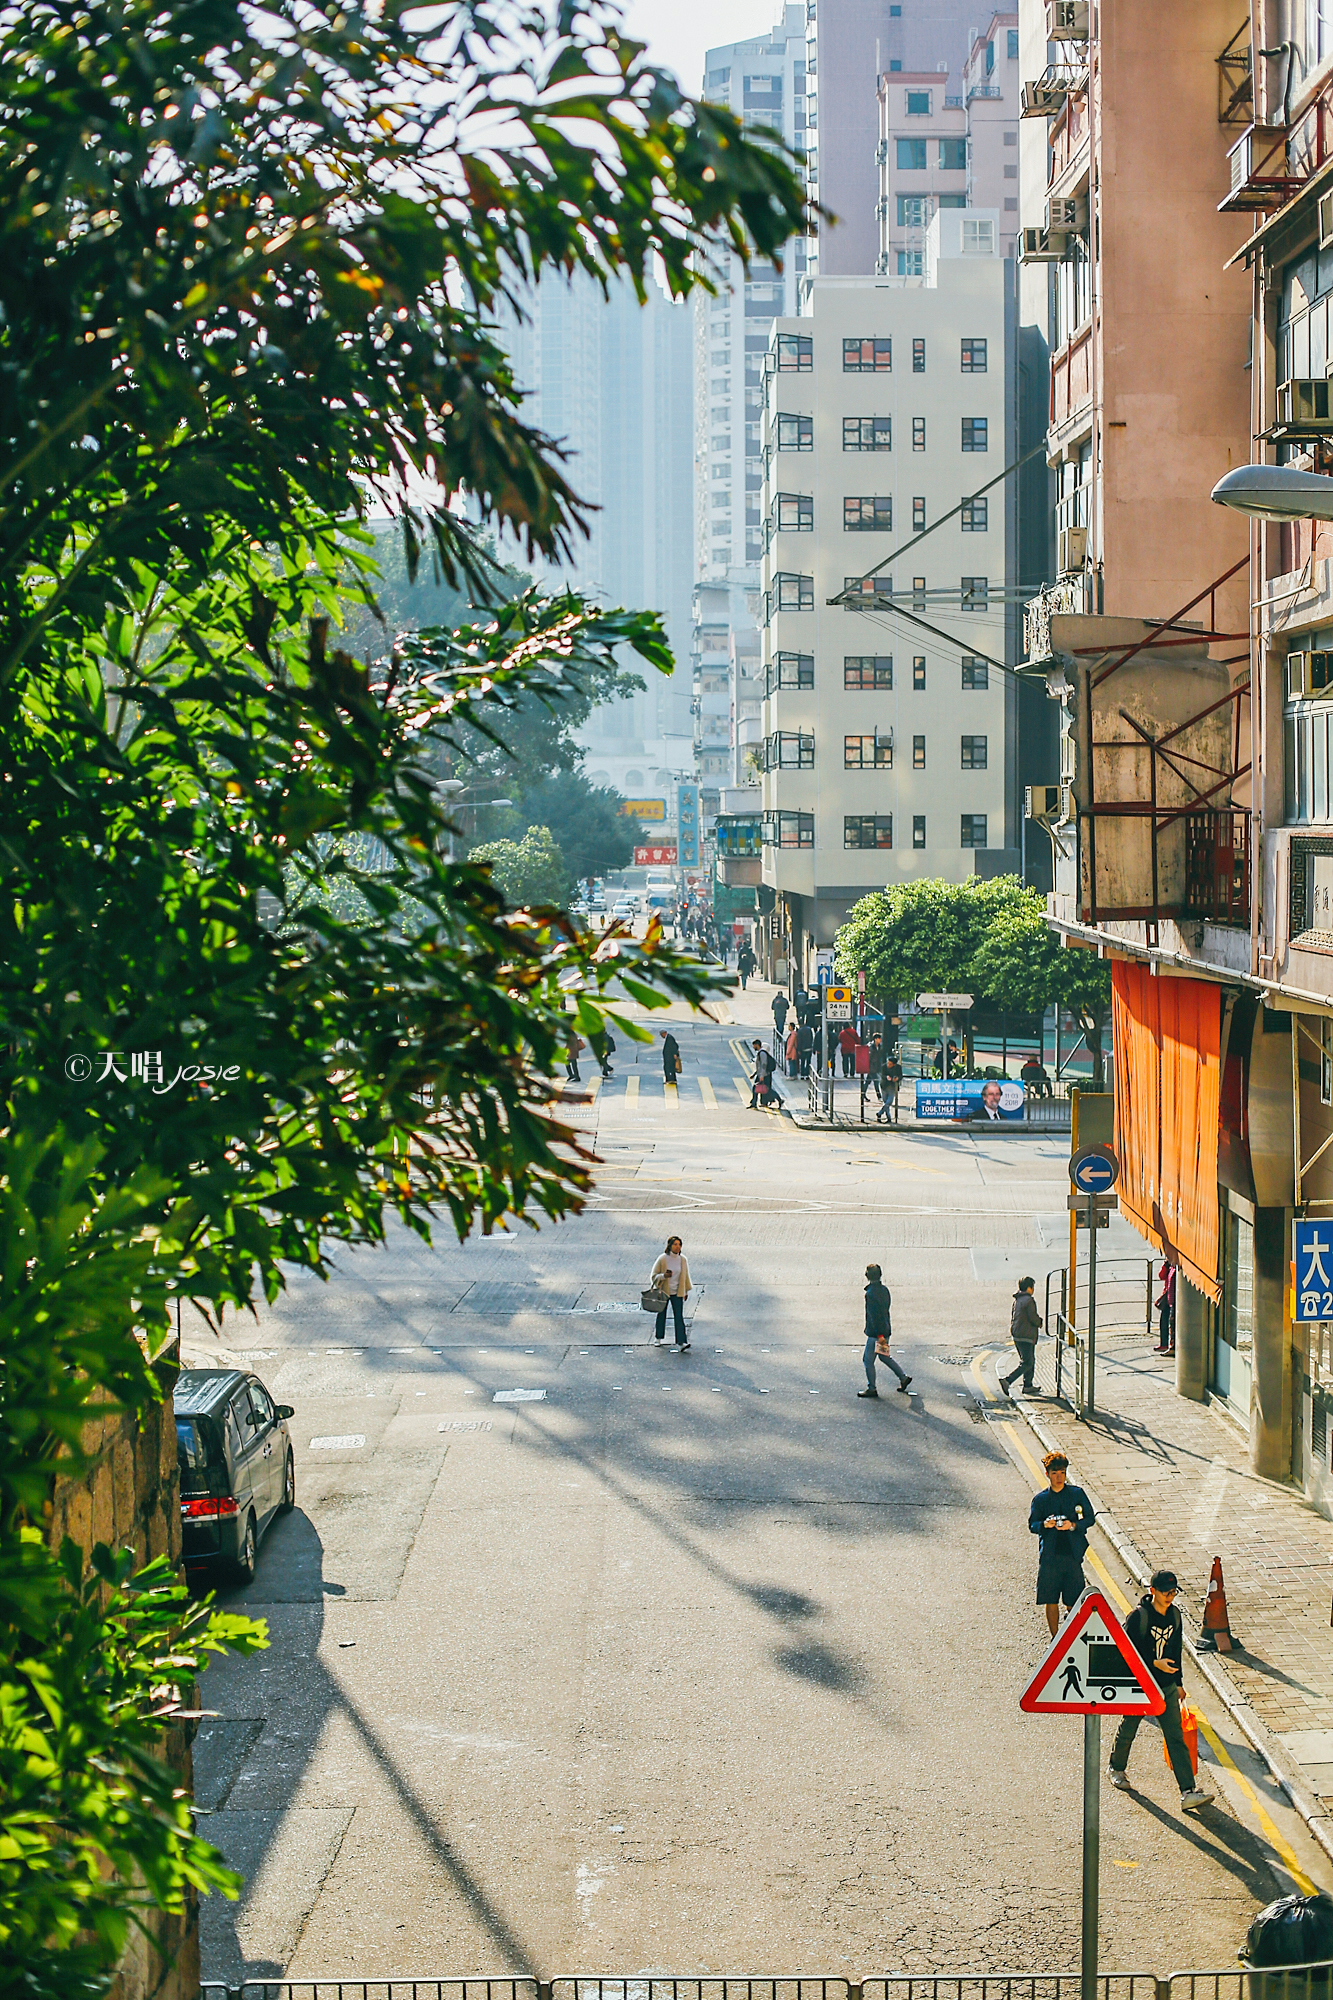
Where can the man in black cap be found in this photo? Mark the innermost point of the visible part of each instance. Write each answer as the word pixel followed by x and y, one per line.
pixel 1061 1517
pixel 1155 1632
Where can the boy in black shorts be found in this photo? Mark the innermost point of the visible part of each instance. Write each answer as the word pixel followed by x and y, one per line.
pixel 1061 1516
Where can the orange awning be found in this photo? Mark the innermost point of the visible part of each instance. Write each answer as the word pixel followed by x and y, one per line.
pixel 1167 1085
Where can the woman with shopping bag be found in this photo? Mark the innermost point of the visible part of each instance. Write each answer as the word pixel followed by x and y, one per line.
pixel 670 1280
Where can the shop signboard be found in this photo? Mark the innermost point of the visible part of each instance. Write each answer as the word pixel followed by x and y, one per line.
pixel 662 854
pixel 651 809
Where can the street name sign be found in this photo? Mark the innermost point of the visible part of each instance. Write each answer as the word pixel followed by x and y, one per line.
pixel 944 1003
pixel 1092 1669
pixel 1094 1170
pixel 1313 1246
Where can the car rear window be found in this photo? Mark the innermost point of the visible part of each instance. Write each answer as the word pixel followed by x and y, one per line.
pixel 198 1446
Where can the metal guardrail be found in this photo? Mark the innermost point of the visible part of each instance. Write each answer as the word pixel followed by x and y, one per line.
pixel 1124 1307
pixel 1295 1982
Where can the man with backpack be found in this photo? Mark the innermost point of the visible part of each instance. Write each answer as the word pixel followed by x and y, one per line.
pixel 1155 1632
pixel 762 1093
pixel 879 1327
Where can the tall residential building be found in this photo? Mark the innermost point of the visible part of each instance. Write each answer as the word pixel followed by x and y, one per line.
pixel 889 715
pixel 612 382
pixel 949 141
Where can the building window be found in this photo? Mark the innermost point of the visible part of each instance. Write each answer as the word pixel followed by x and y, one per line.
pixel 974 357
pixel 867 434
pixel 796 433
pixel 918 829
pixel 867 753
pixel 789 829
pixel 974 433
pixel 918 357
pixel 873 587
pixel 867 670
pixel 792 593
pixel 918 673
pixel 789 750
pixel 951 201
pixel 918 103
pixel 867 357
pixel 793 513
pixel 978 238
pixel 861 512
pixel 790 670
pixel 918 593
pixel 867 830
pixel 918 434
pixel 975 593
pixel 973 830
pixel 913 211
pixel 973 518
pixel 796 353
pixel 910 264
pixel 976 674
pixel 895 62
pixel 918 753
pixel 953 156
pixel 974 753
pixel 911 156
pixel 1012 48
pixel 918 513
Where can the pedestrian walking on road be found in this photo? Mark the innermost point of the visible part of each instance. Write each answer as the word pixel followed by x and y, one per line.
pixel 779 1011
pixel 573 1052
pixel 1061 1517
pixel 1155 1632
pixel 879 1328
pixel 1025 1332
pixel 671 1274
pixel 893 1080
pixel 762 1093
pixel 745 964
pixel 1166 1309
pixel 670 1056
pixel 848 1043
pixel 603 1047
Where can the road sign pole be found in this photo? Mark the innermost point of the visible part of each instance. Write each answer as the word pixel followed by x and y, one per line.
pixel 1092 1841
pixel 944 1047
pixel 1090 1396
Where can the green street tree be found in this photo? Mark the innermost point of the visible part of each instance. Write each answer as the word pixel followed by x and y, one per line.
pixel 527 872
pixel 250 266
pixel 1022 964
pixel 922 937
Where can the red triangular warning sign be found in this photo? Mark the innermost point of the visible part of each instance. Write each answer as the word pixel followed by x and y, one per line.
pixel 1092 1668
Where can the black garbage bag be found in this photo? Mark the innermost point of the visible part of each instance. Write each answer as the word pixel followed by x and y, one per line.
pixel 1295 1930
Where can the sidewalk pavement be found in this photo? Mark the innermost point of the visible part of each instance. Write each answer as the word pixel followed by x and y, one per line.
pixel 1175 1481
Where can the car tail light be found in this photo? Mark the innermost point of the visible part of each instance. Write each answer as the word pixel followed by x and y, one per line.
pixel 208 1510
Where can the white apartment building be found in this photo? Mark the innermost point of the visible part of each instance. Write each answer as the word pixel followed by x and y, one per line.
pixel 888 721
pixel 949 141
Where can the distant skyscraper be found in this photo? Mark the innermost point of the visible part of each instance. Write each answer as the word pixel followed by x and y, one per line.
pixel 612 382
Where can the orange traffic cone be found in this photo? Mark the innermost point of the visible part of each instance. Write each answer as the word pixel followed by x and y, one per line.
pixel 1216 1636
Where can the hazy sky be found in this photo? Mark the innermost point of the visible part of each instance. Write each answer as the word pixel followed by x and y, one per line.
pixel 678 31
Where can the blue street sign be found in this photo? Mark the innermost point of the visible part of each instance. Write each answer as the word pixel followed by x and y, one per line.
pixel 1314 1270
pixel 1095 1170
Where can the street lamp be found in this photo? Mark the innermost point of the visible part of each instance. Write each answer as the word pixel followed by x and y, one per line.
pixel 1276 493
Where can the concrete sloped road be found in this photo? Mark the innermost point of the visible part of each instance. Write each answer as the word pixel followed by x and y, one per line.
pixel 697 1662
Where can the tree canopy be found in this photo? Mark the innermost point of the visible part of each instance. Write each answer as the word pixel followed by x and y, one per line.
pixel 530 871
pixel 251 262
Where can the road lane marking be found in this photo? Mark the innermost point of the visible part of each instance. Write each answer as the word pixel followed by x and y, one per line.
pixel 706 1091
pixel 742 1091
pixel 1271 1832
pixel 632 1094
pixel 671 1094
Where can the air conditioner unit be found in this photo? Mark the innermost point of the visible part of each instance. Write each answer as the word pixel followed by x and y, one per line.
pixel 1044 98
pixel 1066 20
pixel 1066 214
pixel 1038 246
pixel 1072 550
pixel 1047 802
pixel 1067 752
pixel 1325 220
pixel 1309 676
pixel 1304 404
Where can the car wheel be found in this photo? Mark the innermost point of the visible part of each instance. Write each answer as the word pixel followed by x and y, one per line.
pixel 289 1485
pixel 245 1562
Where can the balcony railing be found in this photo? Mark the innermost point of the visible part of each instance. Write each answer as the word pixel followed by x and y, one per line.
pixel 1217 866
pixel 1235 79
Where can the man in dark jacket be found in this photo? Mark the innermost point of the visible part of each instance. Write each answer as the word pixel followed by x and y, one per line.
pixel 780 1012
pixel 1024 1331
pixel 1061 1518
pixel 878 1327
pixel 805 1046
pixel 1154 1630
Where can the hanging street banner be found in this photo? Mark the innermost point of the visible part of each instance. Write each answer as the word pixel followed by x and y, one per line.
pixel 687 823
pixel 1092 1668
pixel 661 855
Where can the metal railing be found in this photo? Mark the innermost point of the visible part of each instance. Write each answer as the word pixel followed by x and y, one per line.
pixel 1295 1982
pixel 1124 1308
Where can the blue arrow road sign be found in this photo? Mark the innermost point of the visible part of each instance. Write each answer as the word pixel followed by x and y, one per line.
pixel 1094 1171
pixel 1314 1270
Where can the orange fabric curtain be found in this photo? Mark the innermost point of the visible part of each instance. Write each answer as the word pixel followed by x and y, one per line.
pixel 1167 1035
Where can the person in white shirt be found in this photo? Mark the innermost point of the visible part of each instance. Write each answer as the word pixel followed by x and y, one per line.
pixel 671 1274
